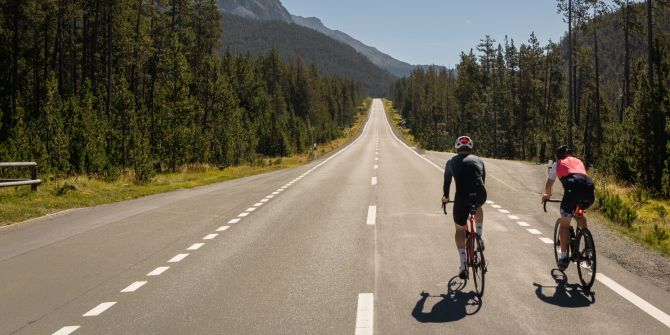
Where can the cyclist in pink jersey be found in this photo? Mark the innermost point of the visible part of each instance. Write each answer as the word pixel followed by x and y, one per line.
pixel 578 190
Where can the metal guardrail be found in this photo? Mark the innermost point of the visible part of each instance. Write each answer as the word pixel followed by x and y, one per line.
pixel 33 181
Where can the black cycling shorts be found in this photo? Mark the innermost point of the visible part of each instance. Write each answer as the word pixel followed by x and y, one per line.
pixel 579 190
pixel 463 204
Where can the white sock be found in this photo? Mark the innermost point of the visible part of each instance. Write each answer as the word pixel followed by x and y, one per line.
pixel 564 254
pixel 480 228
pixel 461 252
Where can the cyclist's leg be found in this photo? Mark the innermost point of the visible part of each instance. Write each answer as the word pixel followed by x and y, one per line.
pixel 479 216
pixel 586 198
pixel 461 213
pixel 568 206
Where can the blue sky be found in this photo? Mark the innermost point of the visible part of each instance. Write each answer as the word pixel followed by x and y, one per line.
pixel 434 31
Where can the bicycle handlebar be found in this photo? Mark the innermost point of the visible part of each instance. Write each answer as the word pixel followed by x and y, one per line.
pixel 444 206
pixel 544 203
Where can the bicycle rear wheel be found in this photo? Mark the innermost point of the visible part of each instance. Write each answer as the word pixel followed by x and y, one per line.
pixel 478 267
pixel 586 258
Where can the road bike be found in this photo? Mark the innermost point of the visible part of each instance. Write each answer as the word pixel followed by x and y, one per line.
pixel 474 252
pixel 581 248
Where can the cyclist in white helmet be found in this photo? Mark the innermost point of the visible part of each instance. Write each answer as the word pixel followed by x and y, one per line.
pixel 470 175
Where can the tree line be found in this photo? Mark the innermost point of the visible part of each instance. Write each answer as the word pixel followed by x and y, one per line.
pixel 103 86
pixel 603 90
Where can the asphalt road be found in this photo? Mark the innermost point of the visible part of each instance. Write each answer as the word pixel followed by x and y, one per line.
pixel 344 245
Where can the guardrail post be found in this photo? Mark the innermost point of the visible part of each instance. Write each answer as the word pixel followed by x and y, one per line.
pixel 33 176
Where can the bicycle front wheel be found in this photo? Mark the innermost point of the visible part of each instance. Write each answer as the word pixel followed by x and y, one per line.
pixel 557 241
pixel 586 258
pixel 478 267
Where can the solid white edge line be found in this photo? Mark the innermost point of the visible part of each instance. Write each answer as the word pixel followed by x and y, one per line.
pixel 133 287
pixel 210 237
pixel 100 308
pixel 158 271
pixel 223 228
pixel 234 221
pixel 365 314
pixel 534 231
pixel 66 330
pixel 195 246
pixel 178 258
pixel 372 215
pixel 634 299
pixel 408 148
pixel 546 240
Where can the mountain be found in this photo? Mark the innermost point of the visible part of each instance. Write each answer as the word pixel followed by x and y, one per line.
pixel 265 10
pixel 242 35
pixel 398 68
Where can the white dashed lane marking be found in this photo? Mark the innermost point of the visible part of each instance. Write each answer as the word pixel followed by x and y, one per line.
pixel 523 224
pixel 195 246
pixel 490 202
pixel 66 330
pixel 376 166
pixel 223 228
pixel 100 309
pixel 210 237
pixel 243 214
pixel 265 200
pixel 365 314
pixel 133 287
pixel 546 240
pixel 178 258
pixel 504 211
pixel 234 221
pixel 496 206
pixel 372 215
pixel 258 204
pixel 251 209
pixel 534 231
pixel 158 271
pixel 513 217
pixel 374 181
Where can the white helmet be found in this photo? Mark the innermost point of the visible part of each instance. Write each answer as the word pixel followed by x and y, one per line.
pixel 464 141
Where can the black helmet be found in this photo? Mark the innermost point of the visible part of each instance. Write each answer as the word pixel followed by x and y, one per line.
pixel 563 151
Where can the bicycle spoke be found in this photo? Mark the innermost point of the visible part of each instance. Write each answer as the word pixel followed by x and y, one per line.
pixel 586 258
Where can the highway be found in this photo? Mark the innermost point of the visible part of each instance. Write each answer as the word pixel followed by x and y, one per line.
pixel 353 243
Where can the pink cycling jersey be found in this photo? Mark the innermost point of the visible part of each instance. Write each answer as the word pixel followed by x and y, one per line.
pixel 566 166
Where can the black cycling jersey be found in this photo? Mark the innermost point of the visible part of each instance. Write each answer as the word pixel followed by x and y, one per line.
pixel 470 176
pixel 469 173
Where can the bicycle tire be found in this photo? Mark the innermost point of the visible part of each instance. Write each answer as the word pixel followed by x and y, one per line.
pixel 557 241
pixel 586 258
pixel 478 267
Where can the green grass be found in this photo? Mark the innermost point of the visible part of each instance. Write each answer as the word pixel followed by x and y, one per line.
pixel 651 227
pixel 54 195
pixel 396 121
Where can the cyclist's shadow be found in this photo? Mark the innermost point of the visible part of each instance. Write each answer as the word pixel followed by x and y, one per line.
pixel 565 295
pixel 455 304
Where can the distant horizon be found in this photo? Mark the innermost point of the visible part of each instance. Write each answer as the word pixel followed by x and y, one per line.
pixel 418 40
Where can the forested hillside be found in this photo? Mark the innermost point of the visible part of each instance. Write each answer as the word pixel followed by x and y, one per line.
pixel 522 101
pixel 241 35
pixel 103 86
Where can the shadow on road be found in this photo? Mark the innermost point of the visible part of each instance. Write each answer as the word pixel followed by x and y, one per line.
pixel 455 304
pixel 565 295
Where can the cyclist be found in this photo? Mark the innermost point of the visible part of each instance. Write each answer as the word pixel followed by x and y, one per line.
pixel 578 190
pixel 470 175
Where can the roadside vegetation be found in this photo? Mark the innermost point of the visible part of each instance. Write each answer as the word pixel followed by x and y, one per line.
pixel 58 194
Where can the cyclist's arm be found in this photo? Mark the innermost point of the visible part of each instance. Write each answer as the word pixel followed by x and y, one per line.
pixel 550 180
pixel 447 180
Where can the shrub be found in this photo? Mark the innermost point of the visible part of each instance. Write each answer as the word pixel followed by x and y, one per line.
pixel 614 208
